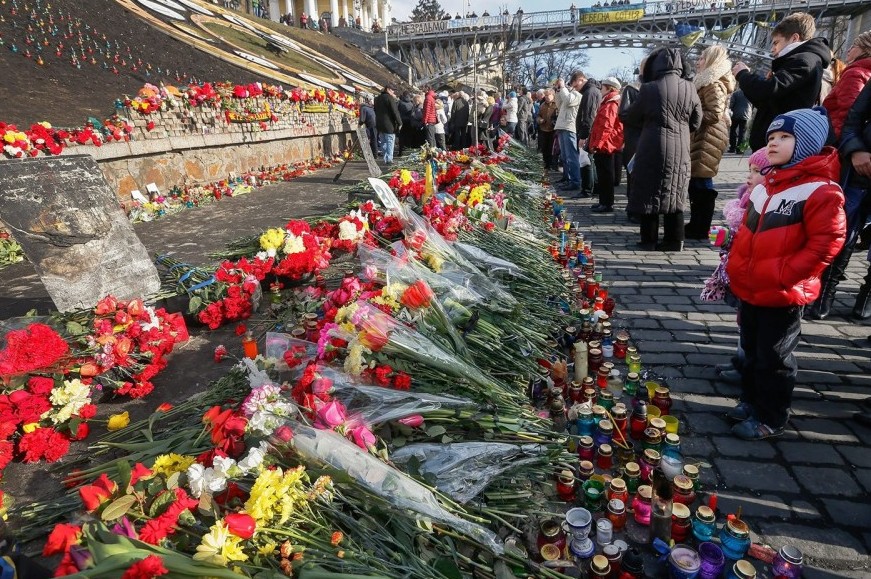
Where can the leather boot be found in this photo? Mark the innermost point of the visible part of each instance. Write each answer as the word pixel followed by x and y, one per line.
pixel 832 275
pixel 862 309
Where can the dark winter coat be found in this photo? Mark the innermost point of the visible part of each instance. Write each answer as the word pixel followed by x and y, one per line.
pixel 630 134
pixel 591 98
pixel 856 133
pixel 667 110
pixel 742 110
pixel 459 115
pixel 794 83
pixel 387 119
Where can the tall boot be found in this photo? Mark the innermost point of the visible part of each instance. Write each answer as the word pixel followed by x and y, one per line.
pixel 832 275
pixel 702 201
pixel 862 309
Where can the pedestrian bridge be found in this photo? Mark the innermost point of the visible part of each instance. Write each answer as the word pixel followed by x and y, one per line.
pixel 443 50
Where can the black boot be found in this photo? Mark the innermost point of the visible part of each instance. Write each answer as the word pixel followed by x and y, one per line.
pixel 702 201
pixel 862 309
pixel 832 275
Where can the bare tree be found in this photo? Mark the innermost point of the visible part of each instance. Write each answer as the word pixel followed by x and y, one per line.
pixel 543 69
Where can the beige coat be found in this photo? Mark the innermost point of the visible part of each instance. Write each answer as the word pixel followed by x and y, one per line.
pixel 714 85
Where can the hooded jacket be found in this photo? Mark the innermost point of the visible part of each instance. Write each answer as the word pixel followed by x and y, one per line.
pixel 667 110
pixel 794 83
pixel 852 81
pixel 606 136
pixel 714 85
pixel 793 228
pixel 591 98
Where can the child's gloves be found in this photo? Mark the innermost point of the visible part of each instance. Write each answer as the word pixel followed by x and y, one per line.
pixel 719 235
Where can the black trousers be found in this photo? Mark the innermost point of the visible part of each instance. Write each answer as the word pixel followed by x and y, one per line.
pixel 589 178
pixel 606 176
pixel 769 337
pixel 736 134
pixel 702 201
pixel 545 143
pixel 672 228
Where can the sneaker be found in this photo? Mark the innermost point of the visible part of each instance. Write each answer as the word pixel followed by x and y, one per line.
pixel 752 429
pixel 742 411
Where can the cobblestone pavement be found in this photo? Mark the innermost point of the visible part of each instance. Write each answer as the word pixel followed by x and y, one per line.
pixel 810 487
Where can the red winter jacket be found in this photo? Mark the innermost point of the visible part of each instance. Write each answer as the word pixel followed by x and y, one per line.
pixel 793 228
pixel 606 134
pixel 844 94
pixel 429 112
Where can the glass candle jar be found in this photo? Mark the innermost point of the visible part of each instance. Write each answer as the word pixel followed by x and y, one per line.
pixel 617 514
pixel 598 304
pixel 575 392
pixel 604 531
pixel 742 570
pixel 585 470
pixel 607 345
pixel 683 562
pixel 605 457
pixel 586 448
pixel 551 533
pixel 592 288
pixel 682 489
pixel 590 394
pixel 602 378
pixel 599 413
pixel 691 471
pixel 713 560
pixel 662 400
pixel 735 539
pixel 787 563
pixel 638 421
pixel 648 462
pixel 704 524
pixel 585 422
pixel 641 505
pixel 594 361
pixel 632 476
pixel 681 522
pixel 614 555
pixel 606 400
pixel 604 433
pixel 671 446
pixel 600 568
pixel 657 423
pixel 617 490
pixel 633 363
pixel 593 492
pixel 621 418
pixel 621 343
pixel 652 439
pixel 565 485
pixel 630 387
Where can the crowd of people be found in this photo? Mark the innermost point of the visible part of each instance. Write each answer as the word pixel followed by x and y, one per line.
pixel 791 230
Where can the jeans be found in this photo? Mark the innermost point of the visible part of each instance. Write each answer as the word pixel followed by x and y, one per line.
pixel 388 140
pixel 769 337
pixel 568 145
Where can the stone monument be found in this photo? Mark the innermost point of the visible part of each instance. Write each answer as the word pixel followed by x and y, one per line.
pixel 72 229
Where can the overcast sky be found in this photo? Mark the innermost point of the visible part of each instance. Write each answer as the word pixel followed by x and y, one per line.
pixel 602 60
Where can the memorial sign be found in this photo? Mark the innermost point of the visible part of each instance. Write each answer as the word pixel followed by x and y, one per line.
pixel 374 169
pixel 72 229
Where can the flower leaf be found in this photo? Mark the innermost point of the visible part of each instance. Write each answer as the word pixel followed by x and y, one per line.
pixel 118 508
pixel 160 503
pixel 436 430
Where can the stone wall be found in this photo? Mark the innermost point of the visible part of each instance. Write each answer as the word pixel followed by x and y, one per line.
pixel 200 145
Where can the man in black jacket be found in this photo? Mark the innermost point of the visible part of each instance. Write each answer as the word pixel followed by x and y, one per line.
pixel 367 119
pixel 591 98
pixel 459 122
pixel 796 74
pixel 387 120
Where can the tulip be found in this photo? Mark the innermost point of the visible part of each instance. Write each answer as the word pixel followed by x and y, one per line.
pixel 241 525
pixel 89 370
pixel 363 437
pixel 413 421
pixel 118 421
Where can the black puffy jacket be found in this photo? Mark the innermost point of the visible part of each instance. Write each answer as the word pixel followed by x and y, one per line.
pixel 591 98
pixel 856 135
pixel 667 110
pixel 387 114
pixel 794 83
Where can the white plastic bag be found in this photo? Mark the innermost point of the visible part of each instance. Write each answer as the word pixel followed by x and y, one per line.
pixel 584 158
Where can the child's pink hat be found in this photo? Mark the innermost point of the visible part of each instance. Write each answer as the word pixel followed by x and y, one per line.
pixel 760 158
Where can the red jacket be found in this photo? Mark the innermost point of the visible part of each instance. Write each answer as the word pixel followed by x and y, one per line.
pixel 429 112
pixel 606 134
pixel 848 87
pixel 793 228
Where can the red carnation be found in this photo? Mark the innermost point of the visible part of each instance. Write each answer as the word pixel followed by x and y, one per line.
pixel 40 385
pixel 34 348
pixel 382 375
pixel 45 443
pixel 402 381
pixel 151 566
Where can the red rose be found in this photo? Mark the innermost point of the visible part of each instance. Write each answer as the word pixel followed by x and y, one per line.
pixel 61 538
pixel 96 494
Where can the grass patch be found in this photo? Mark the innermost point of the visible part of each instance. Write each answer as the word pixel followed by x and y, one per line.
pixel 254 45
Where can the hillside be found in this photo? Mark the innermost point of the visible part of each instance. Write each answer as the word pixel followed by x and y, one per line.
pixel 64 61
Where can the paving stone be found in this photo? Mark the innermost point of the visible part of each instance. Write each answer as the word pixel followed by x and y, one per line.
pixel 826 481
pixel 765 506
pixel 824 408
pixel 692 386
pixel 819 544
pixel 670 346
pixel 652 335
pixel 696 447
pixel 805 510
pixel 707 423
pixel 808 452
pixel 704 317
pixel 823 430
pixel 667 371
pixel 816 377
pixel 856 455
pixel 833 366
pixel 645 323
pixel 703 371
pixel 758 476
pixel 731 446
pixel 811 572
pixel 850 513
pixel 864 476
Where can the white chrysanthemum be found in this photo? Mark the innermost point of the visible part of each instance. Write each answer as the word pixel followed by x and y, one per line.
pixel 348 231
pixel 225 467
pixel 205 480
pixel 254 458
pixel 67 400
pixel 293 244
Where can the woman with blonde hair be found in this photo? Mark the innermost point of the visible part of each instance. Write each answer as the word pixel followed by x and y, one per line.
pixel 714 83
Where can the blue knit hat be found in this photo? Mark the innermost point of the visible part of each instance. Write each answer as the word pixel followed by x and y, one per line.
pixel 512 94
pixel 810 127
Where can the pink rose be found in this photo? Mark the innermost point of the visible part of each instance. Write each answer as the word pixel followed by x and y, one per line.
pixel 363 437
pixel 413 421
pixel 331 415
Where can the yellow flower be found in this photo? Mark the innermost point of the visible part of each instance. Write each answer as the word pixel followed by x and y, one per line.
pixel 435 262
pixel 30 427
pixel 45 124
pixel 168 464
pixel 405 176
pixel 118 421
pixel 267 549
pixel 220 547
pixel 276 495
pixel 272 240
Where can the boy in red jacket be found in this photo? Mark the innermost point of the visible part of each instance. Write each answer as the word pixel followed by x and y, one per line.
pixel 793 228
